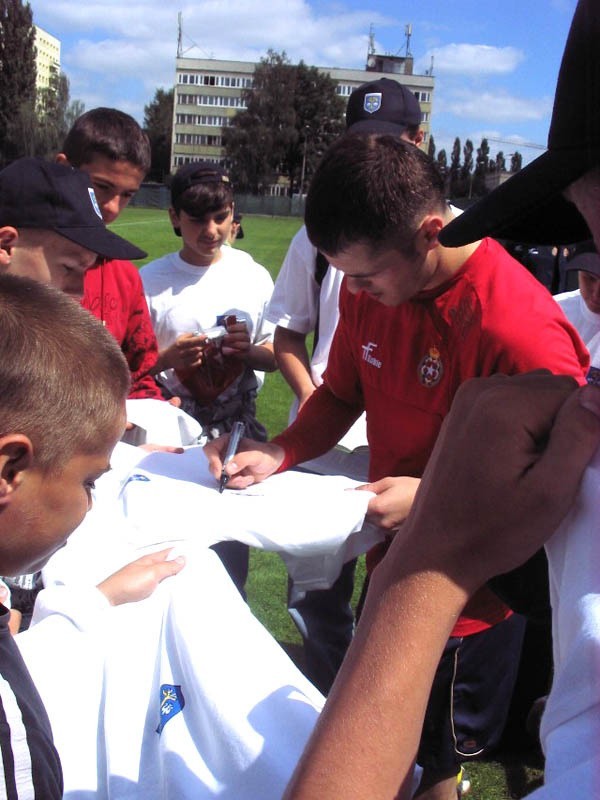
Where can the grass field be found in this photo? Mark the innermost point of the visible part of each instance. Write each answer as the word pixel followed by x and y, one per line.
pixel 509 775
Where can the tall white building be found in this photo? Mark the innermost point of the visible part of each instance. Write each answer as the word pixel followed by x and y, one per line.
pixel 47 57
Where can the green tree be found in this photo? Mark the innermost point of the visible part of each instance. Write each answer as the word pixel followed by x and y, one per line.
pixel 292 115
pixel 17 77
pixel 431 147
pixel 52 112
pixel 500 162
pixel 455 179
pixel 158 124
pixel 516 161
pixel 482 167
pixel 466 170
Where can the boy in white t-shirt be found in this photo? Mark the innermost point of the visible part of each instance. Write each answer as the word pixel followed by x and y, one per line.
pixel 203 291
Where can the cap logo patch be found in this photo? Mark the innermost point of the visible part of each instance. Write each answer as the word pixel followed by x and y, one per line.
pixel 95 205
pixel 372 102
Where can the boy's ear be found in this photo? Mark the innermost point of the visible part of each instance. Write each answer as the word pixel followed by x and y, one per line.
pixel 173 216
pixel 8 238
pixel 62 159
pixel 16 456
pixel 429 231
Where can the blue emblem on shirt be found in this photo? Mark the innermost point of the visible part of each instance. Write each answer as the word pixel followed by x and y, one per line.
pixel 171 703
pixel 372 102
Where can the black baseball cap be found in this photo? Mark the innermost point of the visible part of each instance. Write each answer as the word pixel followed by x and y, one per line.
pixel 382 106
pixel 530 206
pixel 41 194
pixel 584 256
pixel 197 172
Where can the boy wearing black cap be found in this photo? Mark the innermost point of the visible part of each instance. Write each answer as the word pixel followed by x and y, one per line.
pixel 207 304
pixel 305 299
pixel 51 228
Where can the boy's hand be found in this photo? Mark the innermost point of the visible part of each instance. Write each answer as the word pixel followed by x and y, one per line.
pixel 185 352
pixel 139 579
pixel 253 462
pixel 394 500
pixel 236 342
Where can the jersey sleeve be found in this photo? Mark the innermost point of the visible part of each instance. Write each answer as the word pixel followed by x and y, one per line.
pixel 540 338
pixel 139 345
pixel 295 297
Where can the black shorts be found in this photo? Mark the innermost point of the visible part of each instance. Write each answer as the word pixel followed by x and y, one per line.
pixel 470 697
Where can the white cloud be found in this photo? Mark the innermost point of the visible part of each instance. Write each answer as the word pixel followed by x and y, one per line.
pixel 492 106
pixel 472 59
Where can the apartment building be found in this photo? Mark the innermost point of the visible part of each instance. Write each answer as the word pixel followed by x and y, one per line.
pixel 47 56
pixel 209 93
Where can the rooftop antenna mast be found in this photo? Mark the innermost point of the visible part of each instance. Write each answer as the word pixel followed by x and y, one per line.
pixel 371 50
pixel 180 51
pixel 408 34
pixel 179 35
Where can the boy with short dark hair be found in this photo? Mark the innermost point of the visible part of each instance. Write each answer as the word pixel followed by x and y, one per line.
pixel 112 148
pixel 203 286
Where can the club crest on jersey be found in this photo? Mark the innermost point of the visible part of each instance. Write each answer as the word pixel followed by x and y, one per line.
pixel 431 368
pixel 171 703
pixel 593 376
pixel 95 205
pixel 372 102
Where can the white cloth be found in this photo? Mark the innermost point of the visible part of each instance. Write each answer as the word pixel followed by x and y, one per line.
pixel 157 422
pixel 570 729
pixel 183 298
pixel 299 304
pixel 314 522
pixel 579 315
pixel 102 673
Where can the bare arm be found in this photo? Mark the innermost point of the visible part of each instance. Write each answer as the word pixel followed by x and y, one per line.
pixel 294 362
pixel 503 474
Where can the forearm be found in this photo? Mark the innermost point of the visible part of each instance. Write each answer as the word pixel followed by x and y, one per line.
pixel 367 737
pixel 293 361
pixel 261 356
pixel 321 423
pixel 162 362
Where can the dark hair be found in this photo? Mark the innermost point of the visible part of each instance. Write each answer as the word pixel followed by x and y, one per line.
pixel 372 188
pixel 63 377
pixel 204 198
pixel 108 132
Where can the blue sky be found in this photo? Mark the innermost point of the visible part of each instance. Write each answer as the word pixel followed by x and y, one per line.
pixel 495 64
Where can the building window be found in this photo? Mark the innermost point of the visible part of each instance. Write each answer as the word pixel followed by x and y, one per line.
pixel 423 97
pixel 344 89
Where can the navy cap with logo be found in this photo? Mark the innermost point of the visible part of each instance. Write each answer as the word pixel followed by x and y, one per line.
pixel 197 172
pixel 382 106
pixel 40 194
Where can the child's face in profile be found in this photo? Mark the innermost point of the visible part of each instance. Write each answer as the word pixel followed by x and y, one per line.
pixel 46 507
pixel 114 182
